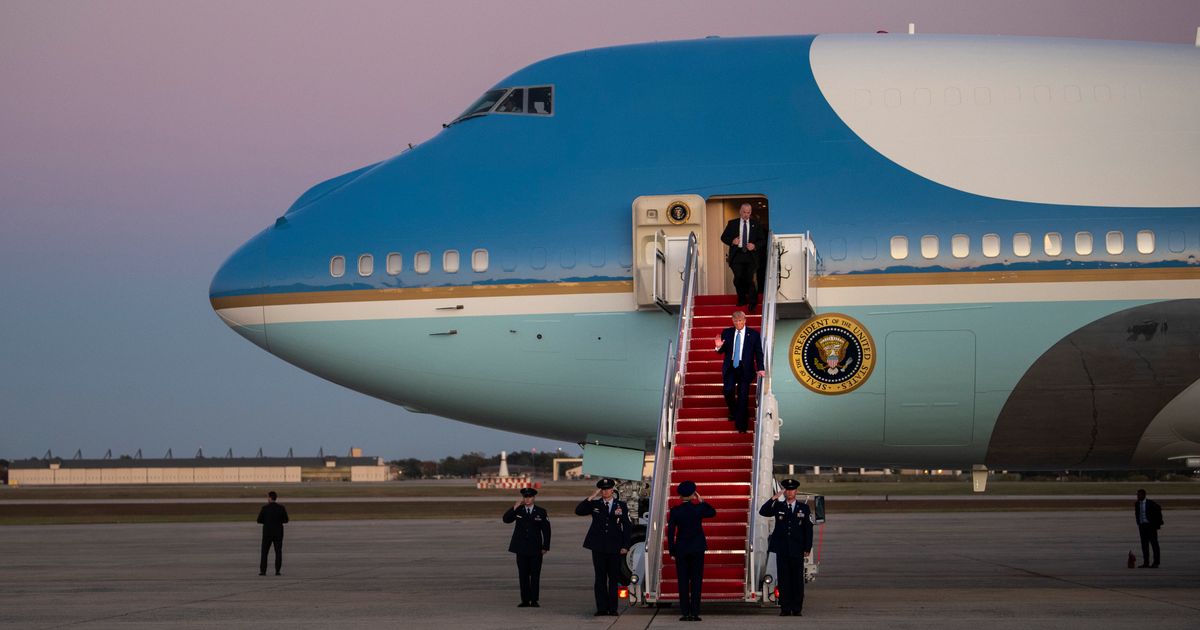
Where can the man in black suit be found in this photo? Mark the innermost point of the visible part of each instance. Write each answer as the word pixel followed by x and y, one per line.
pixel 742 347
pixel 791 541
pixel 272 516
pixel 530 541
pixel 746 240
pixel 686 544
pixel 609 539
pixel 1149 518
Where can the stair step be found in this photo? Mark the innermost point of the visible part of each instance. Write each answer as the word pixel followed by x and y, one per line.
pixel 721 543
pixel 710 389
pixel 714 590
pixel 716 299
pixel 720 413
pixel 702 437
pixel 711 476
pixel 711 463
pixel 715 450
pixel 708 425
pixel 722 504
pixel 728 572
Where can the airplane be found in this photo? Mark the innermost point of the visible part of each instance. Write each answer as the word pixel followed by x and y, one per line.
pixel 1010 225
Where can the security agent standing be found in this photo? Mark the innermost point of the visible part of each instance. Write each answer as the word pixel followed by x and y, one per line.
pixel 530 541
pixel 1149 518
pixel 686 544
pixel 609 539
pixel 272 516
pixel 746 240
pixel 791 542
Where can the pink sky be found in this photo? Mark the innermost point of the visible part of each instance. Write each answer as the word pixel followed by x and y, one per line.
pixel 142 141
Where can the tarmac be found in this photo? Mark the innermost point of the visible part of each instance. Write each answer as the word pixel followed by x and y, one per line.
pixel 981 570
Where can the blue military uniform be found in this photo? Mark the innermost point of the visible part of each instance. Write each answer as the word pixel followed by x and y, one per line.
pixel 790 540
pixel 610 532
pixel 686 544
pixel 530 539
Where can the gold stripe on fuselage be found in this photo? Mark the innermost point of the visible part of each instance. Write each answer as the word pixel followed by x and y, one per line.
pixel 424 293
pixel 626 286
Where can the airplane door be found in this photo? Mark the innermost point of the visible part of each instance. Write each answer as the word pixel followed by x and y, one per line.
pixel 659 218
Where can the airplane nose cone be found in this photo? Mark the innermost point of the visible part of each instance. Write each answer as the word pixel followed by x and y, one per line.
pixel 235 287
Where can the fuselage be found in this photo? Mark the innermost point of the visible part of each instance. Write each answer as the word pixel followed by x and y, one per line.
pixel 1014 221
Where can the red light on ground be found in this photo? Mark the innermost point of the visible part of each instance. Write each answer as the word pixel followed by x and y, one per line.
pixel 622 593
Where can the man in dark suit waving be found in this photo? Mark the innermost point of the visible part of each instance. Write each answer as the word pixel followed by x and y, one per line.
pixel 791 541
pixel 608 538
pixel 687 544
pixel 530 541
pixel 742 347
pixel 746 240
pixel 1149 518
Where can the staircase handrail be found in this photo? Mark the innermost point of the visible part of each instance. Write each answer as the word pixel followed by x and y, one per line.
pixel 766 430
pixel 673 382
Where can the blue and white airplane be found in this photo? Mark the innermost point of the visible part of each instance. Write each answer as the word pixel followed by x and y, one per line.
pixel 1014 223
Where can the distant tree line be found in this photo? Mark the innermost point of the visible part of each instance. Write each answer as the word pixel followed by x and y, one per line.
pixel 469 464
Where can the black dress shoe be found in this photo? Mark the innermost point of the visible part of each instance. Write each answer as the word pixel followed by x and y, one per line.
pixel 1143 566
pixel 1154 566
pixel 686 618
pixel 262 572
pixel 278 573
pixel 601 613
pixel 785 613
pixel 534 605
pixel 696 618
pixel 523 605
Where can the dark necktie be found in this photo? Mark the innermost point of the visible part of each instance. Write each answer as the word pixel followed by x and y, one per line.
pixel 745 232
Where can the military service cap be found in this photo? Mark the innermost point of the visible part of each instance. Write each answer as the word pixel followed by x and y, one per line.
pixel 528 492
pixel 605 483
pixel 789 484
pixel 687 488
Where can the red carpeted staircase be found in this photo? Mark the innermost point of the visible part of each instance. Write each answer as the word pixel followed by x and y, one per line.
pixel 709 451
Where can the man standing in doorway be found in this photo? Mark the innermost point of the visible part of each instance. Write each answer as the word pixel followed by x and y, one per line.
pixel 609 538
pixel 1149 518
pixel 746 240
pixel 742 347
pixel 272 516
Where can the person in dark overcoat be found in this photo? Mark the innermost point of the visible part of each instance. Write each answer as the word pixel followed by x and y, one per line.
pixel 686 544
pixel 272 516
pixel 791 541
pixel 608 538
pixel 1149 519
pixel 747 240
pixel 530 541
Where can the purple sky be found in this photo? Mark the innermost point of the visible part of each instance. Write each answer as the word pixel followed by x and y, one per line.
pixel 141 142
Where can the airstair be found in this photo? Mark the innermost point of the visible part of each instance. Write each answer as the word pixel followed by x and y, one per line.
pixel 696 441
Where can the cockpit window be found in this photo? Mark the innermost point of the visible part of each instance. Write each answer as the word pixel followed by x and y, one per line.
pixel 540 100
pixel 484 104
pixel 537 101
pixel 514 103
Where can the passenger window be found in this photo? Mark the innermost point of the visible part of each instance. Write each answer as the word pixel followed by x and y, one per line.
pixel 541 100
pixel 929 246
pixel 1022 244
pixel 566 258
pixel 960 245
pixel 596 256
pixel 422 262
pixel 1052 243
pixel 1083 243
pixel 337 266
pixel 479 260
pixel 537 258
pixel 366 265
pixel 395 264
pixel 869 249
pixel 514 103
pixel 508 258
pixel 1114 242
pixel 837 249
pixel 899 247
pixel 450 261
pixel 1145 242
pixel 991 245
pixel 1176 242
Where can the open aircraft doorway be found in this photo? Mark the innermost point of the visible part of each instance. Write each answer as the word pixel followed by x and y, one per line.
pixel 718 277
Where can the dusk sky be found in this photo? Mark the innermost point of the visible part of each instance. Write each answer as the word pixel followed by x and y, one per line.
pixel 141 142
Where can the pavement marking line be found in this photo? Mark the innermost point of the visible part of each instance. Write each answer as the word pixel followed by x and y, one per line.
pixel 1062 579
pixel 629 621
pixel 276 586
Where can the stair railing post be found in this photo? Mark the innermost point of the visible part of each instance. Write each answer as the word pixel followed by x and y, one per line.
pixel 673 384
pixel 766 431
